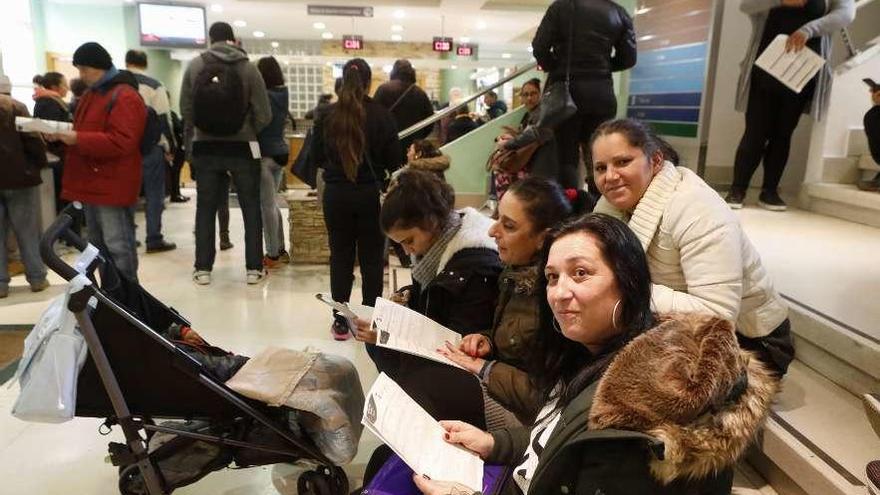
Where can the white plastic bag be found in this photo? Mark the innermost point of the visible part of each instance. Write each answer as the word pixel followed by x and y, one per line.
pixel 54 353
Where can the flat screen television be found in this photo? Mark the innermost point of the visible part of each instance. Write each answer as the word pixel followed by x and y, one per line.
pixel 166 25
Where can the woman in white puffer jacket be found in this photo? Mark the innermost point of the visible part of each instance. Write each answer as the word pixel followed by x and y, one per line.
pixel 700 258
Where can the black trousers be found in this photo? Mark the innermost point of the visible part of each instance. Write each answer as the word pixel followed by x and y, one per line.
pixel 596 103
pixel 772 116
pixel 351 212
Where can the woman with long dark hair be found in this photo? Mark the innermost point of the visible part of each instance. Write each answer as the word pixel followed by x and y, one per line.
pixel 356 143
pixel 274 151
pixel 634 402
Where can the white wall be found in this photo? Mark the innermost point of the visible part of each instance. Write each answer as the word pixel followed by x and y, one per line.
pixel 727 124
pixel 17 47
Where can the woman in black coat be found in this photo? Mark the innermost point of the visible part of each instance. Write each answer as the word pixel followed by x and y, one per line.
pixel 603 42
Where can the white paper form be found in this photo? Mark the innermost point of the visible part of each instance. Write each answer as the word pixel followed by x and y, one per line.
pixel 793 69
pixel 349 310
pixel 416 437
pixel 28 124
pixel 405 330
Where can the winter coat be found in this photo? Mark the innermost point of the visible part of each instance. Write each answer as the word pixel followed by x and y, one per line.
pixel 545 162
pixel 104 167
pixel 258 116
pixel 413 107
pixel 271 138
pixel 872 131
pixel 156 97
pixel 383 152
pixel 600 27
pixel 496 110
pixel 671 415
pixel 700 258
pixel 22 155
pixel 49 106
pixel 463 295
pixel 839 14
pixel 459 126
pixel 517 322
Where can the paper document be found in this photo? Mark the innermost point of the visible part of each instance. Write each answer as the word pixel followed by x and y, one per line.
pixel 27 124
pixel 416 437
pixel 349 311
pixel 793 69
pixel 405 330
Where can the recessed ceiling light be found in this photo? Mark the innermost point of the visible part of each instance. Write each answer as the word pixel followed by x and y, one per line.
pixel 319 25
pixel 505 55
pixel 239 23
pixel 453 67
pixel 327 36
pixel 275 44
pixel 464 39
pixel 481 25
pixel 399 14
pixel 259 34
pixel 396 37
pixel 397 28
pixel 216 8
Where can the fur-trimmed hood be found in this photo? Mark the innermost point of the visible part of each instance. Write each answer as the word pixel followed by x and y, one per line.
pixel 474 233
pixel 687 383
pixel 431 164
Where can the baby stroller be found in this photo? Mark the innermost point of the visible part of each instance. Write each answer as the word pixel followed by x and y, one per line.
pixel 134 376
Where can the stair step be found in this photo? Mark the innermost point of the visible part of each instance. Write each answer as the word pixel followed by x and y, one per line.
pixel 844 201
pixel 857 142
pixel 818 435
pixel 868 163
pixel 841 170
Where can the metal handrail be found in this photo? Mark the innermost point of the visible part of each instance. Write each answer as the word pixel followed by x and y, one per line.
pixel 449 111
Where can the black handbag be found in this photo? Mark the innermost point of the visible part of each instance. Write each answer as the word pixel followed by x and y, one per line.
pixel 557 105
pixel 304 167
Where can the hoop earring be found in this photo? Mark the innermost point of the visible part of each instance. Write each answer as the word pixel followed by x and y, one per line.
pixel 556 326
pixel 614 315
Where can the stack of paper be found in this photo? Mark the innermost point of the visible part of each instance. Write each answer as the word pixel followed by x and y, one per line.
pixel 793 69
pixel 405 330
pixel 416 437
pixel 27 124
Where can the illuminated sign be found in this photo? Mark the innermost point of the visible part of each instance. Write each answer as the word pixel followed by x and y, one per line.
pixel 340 10
pixel 465 50
pixel 352 42
pixel 442 44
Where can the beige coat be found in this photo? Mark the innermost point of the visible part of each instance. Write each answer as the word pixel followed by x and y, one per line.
pixel 700 258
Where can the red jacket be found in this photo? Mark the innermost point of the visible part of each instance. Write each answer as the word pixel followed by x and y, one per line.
pixel 104 167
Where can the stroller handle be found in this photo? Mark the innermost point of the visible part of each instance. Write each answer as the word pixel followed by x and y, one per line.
pixel 60 229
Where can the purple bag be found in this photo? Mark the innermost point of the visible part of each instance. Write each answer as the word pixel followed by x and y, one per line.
pixel 395 478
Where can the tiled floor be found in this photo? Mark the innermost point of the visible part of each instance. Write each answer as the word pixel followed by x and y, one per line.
pixel 823 261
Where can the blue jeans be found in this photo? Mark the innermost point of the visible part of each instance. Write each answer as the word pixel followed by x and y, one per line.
pixel 273 226
pixel 20 209
pixel 154 193
pixel 111 229
pixel 211 184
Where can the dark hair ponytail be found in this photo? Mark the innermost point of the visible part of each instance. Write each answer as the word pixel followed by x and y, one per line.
pixel 49 79
pixel 345 124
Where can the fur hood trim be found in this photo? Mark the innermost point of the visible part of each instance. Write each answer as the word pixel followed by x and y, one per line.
pixel 687 383
pixel 473 234
pixel 433 164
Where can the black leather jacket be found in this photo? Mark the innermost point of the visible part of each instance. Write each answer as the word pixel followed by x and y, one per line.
pixel 600 27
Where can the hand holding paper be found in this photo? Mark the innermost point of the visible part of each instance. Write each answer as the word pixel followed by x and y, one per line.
pixel 405 330
pixel 794 69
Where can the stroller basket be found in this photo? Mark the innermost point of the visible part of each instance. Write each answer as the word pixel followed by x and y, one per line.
pixel 134 374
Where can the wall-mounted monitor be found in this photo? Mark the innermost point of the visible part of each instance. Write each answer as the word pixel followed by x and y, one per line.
pixel 442 44
pixel 167 25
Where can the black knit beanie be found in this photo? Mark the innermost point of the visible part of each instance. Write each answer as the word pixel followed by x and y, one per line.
pixel 92 54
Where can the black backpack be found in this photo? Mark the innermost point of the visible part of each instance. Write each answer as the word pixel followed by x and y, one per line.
pixel 219 104
pixel 152 126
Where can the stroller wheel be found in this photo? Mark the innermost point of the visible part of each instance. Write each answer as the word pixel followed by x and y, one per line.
pixel 313 483
pixel 338 480
pixel 130 481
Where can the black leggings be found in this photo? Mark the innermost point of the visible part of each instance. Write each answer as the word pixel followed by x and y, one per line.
pixel 772 116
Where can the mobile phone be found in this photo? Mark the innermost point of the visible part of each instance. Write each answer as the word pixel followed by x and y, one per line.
pixel 870 82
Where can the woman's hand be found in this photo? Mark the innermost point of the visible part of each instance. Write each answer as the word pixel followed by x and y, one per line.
pixel 66 137
pixel 400 297
pixel 476 345
pixel 431 487
pixel 364 332
pixel 796 42
pixel 472 364
pixel 469 437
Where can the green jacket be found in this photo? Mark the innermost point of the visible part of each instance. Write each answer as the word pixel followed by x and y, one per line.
pixel 517 320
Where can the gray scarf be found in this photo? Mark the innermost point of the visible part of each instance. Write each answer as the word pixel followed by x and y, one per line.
pixel 425 268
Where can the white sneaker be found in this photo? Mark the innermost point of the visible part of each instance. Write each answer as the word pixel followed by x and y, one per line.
pixel 256 276
pixel 202 277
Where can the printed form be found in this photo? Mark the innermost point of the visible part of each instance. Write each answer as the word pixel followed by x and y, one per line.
pixel 793 69
pixel 405 330
pixel 416 437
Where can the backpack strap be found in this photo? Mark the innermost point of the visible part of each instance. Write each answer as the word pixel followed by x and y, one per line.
pixel 399 99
